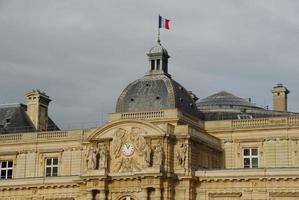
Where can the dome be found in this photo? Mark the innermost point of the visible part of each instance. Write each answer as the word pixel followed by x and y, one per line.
pixel 158 49
pixel 223 99
pixel 226 106
pixel 155 92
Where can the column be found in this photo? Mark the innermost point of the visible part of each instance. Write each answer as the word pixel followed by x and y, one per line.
pixel 144 195
pixel 157 194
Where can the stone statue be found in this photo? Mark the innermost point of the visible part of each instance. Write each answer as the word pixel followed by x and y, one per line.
pixel 147 155
pixel 91 158
pixel 158 155
pixel 103 157
pixel 182 151
pixel 118 141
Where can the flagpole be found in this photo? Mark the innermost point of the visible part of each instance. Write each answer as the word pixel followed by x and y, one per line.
pixel 158 28
pixel 158 34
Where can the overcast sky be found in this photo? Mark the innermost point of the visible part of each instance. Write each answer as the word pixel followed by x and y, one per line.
pixel 83 53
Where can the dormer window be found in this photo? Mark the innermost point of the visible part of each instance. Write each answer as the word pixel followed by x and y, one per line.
pixel 7 120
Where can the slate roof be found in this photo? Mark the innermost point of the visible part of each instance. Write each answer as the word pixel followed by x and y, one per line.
pixel 13 119
pixel 158 49
pixel 224 98
pixel 224 106
pixel 155 92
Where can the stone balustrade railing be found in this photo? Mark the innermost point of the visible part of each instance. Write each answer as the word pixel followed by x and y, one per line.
pixel 52 134
pixel 11 137
pixel 143 115
pixel 264 122
pixel 36 136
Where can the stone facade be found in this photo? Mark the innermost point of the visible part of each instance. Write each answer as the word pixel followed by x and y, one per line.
pixel 156 157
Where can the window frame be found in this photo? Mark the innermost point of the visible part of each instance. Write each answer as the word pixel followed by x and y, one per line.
pixel 251 157
pixel 6 169
pixel 51 166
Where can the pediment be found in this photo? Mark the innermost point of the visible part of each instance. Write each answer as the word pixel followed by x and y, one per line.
pixel 109 130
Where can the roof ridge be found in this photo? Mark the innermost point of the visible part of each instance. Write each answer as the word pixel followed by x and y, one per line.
pixel 5 105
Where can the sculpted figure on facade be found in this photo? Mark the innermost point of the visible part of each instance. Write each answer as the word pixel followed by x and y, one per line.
pixel 147 155
pixel 119 137
pixel 182 154
pixel 103 157
pixel 158 155
pixel 137 138
pixel 91 158
pixel 127 165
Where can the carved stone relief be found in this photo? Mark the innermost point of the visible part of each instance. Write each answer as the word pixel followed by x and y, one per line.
pixel 158 155
pixel 91 158
pixel 103 157
pixel 97 157
pixel 130 150
pixel 181 155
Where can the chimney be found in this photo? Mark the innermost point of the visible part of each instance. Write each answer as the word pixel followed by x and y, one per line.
pixel 37 109
pixel 280 98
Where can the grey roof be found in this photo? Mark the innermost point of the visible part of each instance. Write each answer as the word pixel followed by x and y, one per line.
pixel 13 118
pixel 155 92
pixel 158 49
pixel 224 105
pixel 224 98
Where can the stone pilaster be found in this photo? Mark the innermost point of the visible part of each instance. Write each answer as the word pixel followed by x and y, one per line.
pixel 157 194
pixel 89 195
pixel 144 194
pixel 101 195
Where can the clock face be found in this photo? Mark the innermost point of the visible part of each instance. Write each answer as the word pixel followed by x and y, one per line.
pixel 127 149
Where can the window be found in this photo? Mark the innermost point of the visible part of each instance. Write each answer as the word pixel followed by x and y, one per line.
pixel 51 166
pixel 152 64
pixel 6 169
pixel 7 120
pixel 250 158
pixel 158 64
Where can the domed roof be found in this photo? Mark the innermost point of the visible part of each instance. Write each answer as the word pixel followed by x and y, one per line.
pixel 155 92
pixel 158 49
pixel 224 99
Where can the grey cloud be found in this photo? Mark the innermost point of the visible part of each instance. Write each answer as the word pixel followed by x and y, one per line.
pixel 83 53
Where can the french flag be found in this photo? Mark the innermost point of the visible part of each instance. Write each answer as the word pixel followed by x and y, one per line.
pixel 163 23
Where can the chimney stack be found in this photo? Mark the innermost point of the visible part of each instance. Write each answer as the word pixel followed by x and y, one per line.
pixel 37 109
pixel 280 98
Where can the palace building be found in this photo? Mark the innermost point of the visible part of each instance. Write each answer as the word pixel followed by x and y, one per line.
pixel 162 143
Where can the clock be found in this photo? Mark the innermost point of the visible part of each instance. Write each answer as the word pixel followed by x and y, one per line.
pixel 127 149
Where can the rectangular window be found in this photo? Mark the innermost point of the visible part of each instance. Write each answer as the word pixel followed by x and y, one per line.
pixel 152 65
pixel 51 166
pixel 158 64
pixel 6 169
pixel 250 158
